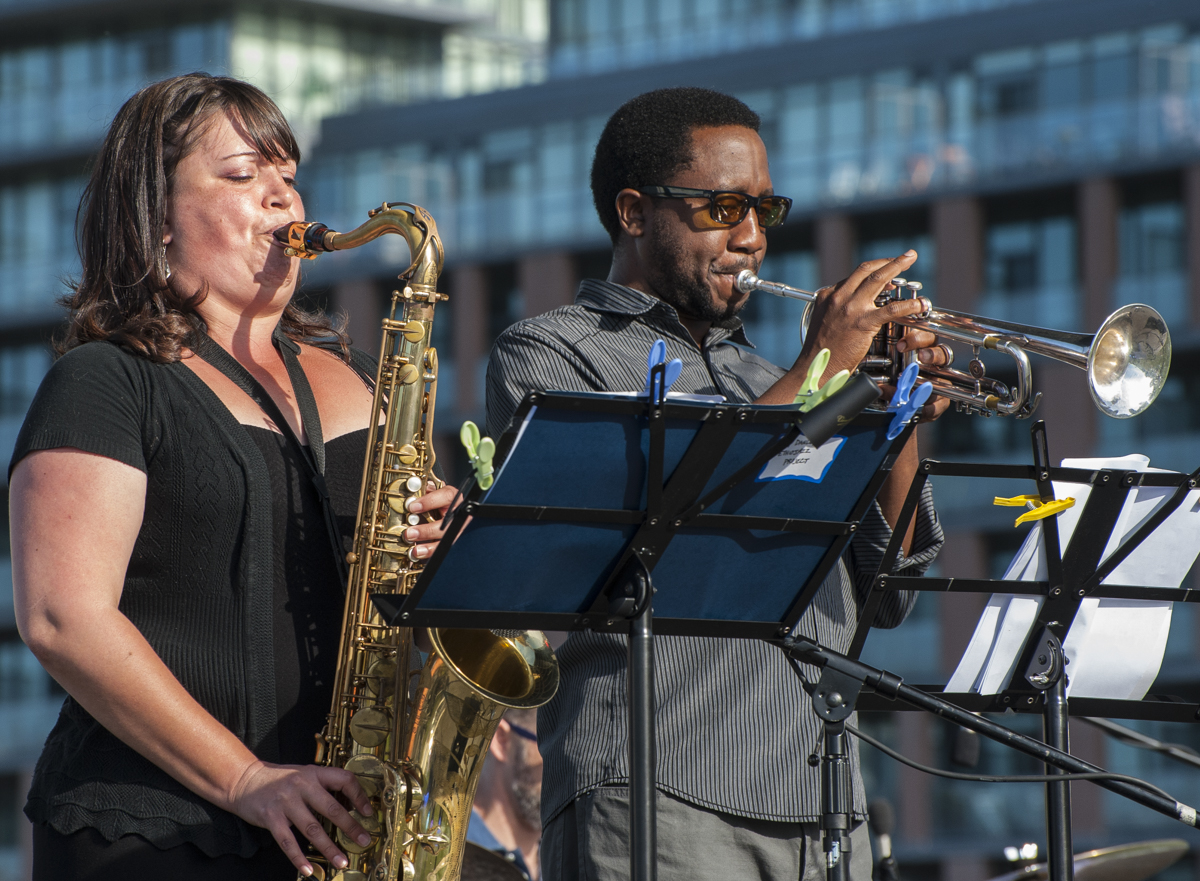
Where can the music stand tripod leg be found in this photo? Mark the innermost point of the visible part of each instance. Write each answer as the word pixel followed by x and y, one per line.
pixel 1047 673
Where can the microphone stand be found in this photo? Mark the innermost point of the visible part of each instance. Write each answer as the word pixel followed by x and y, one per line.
pixel 834 697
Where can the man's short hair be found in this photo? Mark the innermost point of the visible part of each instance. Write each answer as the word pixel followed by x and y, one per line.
pixel 649 140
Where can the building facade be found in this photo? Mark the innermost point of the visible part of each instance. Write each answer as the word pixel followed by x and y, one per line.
pixel 1042 156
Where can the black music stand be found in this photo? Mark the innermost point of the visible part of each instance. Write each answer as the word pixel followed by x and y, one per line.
pixel 605 503
pixel 1039 680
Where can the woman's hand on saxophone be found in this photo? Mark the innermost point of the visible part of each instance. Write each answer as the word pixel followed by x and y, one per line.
pixel 437 504
pixel 280 797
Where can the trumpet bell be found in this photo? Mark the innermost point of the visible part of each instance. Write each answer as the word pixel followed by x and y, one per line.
pixel 1128 361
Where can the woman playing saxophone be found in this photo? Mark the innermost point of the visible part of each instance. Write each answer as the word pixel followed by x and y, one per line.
pixel 177 495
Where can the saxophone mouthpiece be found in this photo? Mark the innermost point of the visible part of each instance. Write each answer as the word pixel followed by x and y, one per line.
pixel 304 239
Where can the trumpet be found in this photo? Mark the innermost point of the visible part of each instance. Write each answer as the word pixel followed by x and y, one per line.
pixel 1126 360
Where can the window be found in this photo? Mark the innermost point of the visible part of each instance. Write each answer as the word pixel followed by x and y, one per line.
pixel 21 676
pixel 21 371
pixel 1030 270
pixel 773 323
pixel 1152 241
pixel 505 303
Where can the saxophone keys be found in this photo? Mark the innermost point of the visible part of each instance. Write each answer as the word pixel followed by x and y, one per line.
pixel 407 454
pixel 396 497
pixel 370 726
pixel 381 679
pixel 408 374
pixel 370 824
pixel 370 773
pixel 349 875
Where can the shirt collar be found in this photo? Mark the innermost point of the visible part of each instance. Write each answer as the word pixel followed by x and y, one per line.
pixel 606 296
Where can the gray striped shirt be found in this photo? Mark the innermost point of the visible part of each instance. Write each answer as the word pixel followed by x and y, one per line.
pixel 734 727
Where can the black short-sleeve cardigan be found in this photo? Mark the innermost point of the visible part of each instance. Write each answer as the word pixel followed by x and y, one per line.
pixel 198 587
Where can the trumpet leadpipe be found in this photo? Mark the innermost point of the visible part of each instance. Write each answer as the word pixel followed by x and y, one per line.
pixel 746 282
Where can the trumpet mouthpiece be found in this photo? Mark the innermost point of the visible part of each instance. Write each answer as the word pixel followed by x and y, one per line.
pixel 746 281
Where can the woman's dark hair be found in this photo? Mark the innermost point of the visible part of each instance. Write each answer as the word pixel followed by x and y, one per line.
pixel 649 140
pixel 123 295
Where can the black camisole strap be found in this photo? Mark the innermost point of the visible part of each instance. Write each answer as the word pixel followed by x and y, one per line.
pixel 314 454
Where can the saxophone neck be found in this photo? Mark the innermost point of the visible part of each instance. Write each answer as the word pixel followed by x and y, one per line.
pixel 308 240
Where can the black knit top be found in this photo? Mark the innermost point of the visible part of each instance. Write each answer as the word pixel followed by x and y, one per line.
pixel 205 585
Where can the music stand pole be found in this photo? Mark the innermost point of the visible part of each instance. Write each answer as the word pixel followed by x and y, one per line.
pixel 1047 673
pixel 642 821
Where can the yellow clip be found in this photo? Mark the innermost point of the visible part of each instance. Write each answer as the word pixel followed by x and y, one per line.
pixel 1040 510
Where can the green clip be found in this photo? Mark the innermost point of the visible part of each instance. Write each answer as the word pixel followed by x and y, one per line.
pixel 480 451
pixel 810 394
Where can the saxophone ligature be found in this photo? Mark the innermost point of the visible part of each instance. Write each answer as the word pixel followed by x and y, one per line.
pixel 413 727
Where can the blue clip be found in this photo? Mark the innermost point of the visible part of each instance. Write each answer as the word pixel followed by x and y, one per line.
pixel 672 368
pixel 907 400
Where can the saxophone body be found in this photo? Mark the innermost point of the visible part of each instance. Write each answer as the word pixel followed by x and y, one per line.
pixel 414 727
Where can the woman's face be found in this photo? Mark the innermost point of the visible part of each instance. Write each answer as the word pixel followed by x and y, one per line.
pixel 226 201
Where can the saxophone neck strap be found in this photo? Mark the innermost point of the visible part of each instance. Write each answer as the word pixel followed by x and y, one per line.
pixel 313 455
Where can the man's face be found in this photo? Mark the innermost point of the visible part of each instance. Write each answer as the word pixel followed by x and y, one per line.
pixel 525 783
pixel 688 261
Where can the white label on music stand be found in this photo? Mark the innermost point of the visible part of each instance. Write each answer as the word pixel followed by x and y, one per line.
pixel 800 460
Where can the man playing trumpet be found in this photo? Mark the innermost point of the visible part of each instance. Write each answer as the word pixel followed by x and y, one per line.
pixel 681 182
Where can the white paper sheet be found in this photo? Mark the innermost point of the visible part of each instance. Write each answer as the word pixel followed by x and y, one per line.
pixel 1114 647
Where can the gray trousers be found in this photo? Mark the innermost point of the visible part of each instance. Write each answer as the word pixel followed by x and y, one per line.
pixel 589 841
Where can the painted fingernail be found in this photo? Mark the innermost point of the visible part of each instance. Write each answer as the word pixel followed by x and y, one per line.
pixel 364 839
pixel 340 861
pixel 412 534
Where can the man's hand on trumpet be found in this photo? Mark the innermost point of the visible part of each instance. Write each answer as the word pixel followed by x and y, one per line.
pixel 845 320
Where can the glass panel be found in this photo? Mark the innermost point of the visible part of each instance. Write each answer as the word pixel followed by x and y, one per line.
pixel 1031 273
pixel 21 371
pixel 1153 268
pixel 773 323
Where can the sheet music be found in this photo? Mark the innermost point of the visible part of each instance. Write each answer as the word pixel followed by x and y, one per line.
pixel 1115 647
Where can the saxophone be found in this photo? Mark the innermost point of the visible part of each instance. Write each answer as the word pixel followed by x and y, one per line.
pixel 413 729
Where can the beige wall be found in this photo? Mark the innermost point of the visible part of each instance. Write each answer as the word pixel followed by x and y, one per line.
pixel 547 280
pixel 957 228
pixel 361 300
pixel 1191 197
pixel 835 247
pixel 469 311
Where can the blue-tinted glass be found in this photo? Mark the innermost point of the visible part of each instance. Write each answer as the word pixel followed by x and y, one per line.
pixel 1153 267
pixel 1031 273
pixel 1112 78
pixel 21 371
pixel 1062 86
pixel 773 323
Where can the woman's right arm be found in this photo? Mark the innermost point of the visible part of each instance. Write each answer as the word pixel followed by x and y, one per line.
pixel 75 518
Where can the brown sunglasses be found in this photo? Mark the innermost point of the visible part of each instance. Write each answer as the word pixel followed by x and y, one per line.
pixel 729 208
